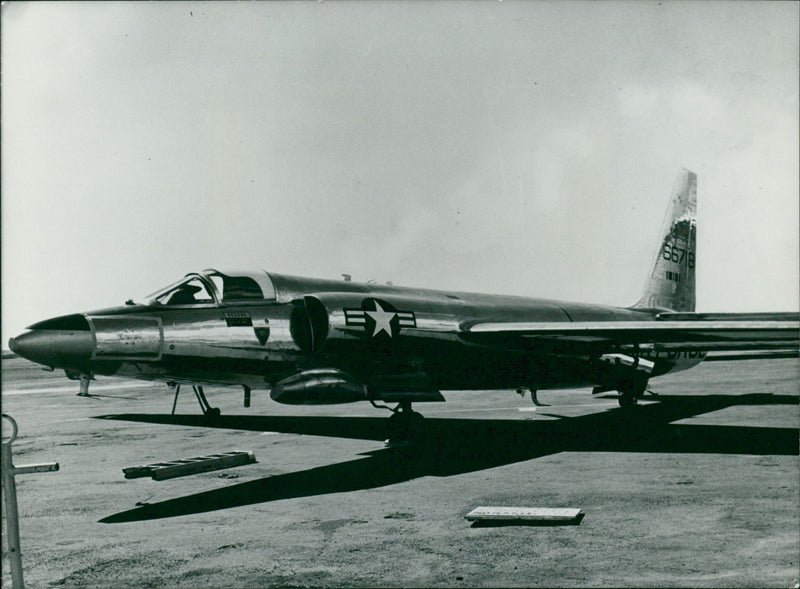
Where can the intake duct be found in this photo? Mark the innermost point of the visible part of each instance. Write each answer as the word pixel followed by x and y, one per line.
pixel 308 324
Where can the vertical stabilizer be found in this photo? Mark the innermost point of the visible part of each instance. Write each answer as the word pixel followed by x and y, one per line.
pixel 671 282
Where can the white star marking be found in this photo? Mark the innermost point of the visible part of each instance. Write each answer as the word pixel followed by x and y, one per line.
pixel 382 319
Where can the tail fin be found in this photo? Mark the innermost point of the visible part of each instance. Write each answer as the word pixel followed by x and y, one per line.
pixel 671 282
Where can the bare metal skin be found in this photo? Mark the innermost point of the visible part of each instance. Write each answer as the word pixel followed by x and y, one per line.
pixel 314 341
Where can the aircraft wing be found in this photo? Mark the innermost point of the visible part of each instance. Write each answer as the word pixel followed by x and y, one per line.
pixel 417 320
pixel 669 331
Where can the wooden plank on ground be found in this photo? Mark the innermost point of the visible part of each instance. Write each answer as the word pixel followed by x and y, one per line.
pixel 179 468
pixel 526 514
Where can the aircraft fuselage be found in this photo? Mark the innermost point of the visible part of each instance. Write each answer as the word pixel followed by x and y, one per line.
pixel 259 343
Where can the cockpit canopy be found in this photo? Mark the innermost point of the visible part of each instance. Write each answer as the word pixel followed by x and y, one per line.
pixel 211 287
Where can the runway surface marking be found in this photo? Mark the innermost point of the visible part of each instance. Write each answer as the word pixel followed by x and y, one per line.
pixel 481 410
pixel 582 405
pixel 67 389
pixel 597 404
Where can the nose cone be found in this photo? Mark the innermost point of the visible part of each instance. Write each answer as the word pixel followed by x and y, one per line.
pixel 32 346
pixel 58 348
pixel 28 345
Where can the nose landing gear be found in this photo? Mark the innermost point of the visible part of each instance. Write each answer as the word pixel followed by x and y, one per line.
pixel 84 390
pixel 84 377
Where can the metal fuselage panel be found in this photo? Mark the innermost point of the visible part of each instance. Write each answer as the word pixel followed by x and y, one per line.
pixel 232 344
pixel 253 343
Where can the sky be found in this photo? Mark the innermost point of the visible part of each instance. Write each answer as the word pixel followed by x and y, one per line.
pixel 522 148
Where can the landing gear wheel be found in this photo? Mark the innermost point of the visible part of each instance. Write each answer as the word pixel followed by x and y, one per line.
pixel 631 390
pixel 404 425
pixel 396 432
pixel 415 420
pixel 212 415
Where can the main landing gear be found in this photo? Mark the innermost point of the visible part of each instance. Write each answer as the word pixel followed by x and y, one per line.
pixel 630 391
pixel 404 425
pixel 209 411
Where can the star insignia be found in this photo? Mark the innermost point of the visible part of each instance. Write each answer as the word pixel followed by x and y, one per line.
pixel 379 318
pixel 382 319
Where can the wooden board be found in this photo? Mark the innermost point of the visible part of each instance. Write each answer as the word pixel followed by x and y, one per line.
pixel 180 468
pixel 546 514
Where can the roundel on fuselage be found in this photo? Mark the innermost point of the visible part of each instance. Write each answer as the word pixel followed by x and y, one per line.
pixel 381 320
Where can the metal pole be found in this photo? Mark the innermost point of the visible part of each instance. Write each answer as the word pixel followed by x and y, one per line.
pixel 8 471
pixel 12 516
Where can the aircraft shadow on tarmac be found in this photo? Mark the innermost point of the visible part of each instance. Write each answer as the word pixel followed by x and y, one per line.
pixel 446 447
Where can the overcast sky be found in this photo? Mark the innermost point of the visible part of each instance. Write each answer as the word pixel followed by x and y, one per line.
pixel 526 148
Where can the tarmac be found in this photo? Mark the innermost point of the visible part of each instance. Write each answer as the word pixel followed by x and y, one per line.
pixel 696 487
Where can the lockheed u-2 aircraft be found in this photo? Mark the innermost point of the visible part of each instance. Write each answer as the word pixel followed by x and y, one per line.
pixel 313 341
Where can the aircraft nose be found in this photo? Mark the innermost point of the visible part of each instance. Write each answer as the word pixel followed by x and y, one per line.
pixel 27 345
pixel 55 343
